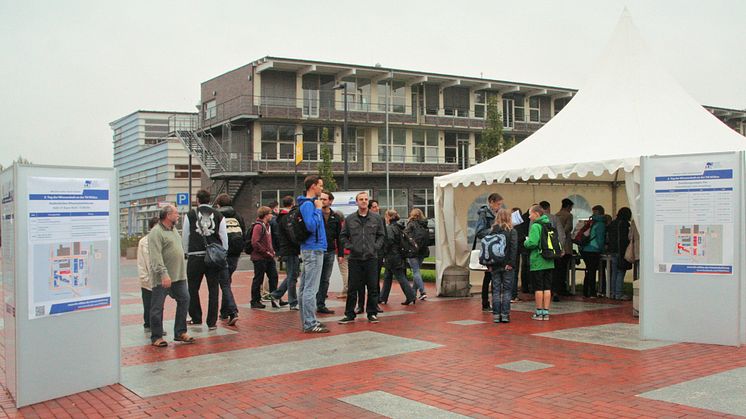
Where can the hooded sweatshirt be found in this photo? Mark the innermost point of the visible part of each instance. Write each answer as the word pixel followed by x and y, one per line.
pixel 484 222
pixel 598 235
pixel 532 243
pixel 314 220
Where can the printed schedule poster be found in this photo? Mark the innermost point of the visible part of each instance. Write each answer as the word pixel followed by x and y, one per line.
pixel 694 217
pixel 69 245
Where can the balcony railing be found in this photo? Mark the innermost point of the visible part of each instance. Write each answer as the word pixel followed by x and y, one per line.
pixel 274 107
pixel 258 163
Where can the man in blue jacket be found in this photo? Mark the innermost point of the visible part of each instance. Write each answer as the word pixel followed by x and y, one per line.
pixel 312 251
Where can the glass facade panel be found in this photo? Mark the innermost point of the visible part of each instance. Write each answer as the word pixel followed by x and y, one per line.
pixel 399 201
pixel 423 199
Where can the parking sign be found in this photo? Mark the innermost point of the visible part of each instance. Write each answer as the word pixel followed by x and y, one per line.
pixel 182 198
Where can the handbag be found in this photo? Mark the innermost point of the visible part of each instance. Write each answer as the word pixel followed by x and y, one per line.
pixel 629 253
pixel 474 264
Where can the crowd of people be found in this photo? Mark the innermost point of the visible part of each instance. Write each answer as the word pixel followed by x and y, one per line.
pixel 308 238
pixel 524 253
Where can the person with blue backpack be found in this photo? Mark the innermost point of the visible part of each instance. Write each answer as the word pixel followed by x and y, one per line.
pixel 499 252
pixel 485 221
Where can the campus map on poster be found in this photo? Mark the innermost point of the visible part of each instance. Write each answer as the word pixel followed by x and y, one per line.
pixel 694 217
pixel 69 242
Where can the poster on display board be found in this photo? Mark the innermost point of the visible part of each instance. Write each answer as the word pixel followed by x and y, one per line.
pixel 694 204
pixel 345 202
pixel 69 242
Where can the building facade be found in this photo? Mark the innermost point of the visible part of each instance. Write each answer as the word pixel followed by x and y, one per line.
pixel 152 165
pixel 412 125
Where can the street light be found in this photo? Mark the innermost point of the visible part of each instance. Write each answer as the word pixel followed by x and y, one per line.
pixel 345 182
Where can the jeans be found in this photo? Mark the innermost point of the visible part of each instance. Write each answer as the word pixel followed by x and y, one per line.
pixel 617 277
pixel 261 267
pixel 502 290
pixel 313 262
pixel 292 270
pixel 179 292
pixel 526 274
pixel 362 273
pixel 401 277
pixel 224 311
pixel 326 273
pixel 146 298
pixel 592 261
pixel 415 263
pixel 196 269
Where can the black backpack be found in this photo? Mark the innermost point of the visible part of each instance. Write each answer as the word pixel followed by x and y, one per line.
pixel 550 247
pixel 294 227
pixel 248 248
pixel 494 249
pixel 409 245
pixel 235 236
pixel 421 235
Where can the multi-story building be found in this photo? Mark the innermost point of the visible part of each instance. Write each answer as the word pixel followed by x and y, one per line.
pixel 152 164
pixel 251 118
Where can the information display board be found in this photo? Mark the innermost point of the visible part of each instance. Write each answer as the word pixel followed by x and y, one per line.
pixel 694 215
pixel 692 240
pixel 69 241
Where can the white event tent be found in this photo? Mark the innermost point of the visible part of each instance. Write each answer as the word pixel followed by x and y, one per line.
pixel 629 108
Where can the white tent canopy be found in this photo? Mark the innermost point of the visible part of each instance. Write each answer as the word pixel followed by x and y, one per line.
pixel 630 107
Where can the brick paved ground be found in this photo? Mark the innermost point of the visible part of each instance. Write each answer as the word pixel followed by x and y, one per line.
pixel 461 376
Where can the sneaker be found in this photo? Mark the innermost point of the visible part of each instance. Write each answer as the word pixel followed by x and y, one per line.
pixel 282 303
pixel 232 320
pixel 359 310
pixel 372 318
pixel 294 308
pixel 316 329
pixel 486 308
pixel 257 304
pixel 267 297
pixel 346 320
pixel 496 318
pixel 274 303
pixel 324 310
pixel 537 316
pixel 545 317
pixel 423 297
pixel 505 319
pixel 379 309
pixel 213 327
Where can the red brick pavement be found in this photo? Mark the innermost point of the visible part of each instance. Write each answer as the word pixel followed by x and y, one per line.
pixel 585 380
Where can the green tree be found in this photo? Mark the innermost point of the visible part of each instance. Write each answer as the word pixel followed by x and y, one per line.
pixel 325 166
pixel 492 142
pixel 20 160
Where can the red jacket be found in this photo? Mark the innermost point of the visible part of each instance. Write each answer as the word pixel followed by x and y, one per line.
pixel 261 242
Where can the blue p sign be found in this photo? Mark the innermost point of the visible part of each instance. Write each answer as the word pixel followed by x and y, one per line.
pixel 182 198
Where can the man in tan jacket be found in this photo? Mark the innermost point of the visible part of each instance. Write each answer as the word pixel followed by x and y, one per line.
pixel 143 272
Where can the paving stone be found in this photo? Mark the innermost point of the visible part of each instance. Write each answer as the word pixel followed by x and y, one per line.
pixel 618 335
pixel 467 322
pixel 724 392
pixel 562 307
pixel 134 335
pixel 524 366
pixel 266 361
pixel 395 407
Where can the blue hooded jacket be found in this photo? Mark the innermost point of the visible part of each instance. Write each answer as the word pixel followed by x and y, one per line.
pixel 314 220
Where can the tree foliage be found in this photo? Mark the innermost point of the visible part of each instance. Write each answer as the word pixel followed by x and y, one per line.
pixel 493 142
pixel 19 160
pixel 325 166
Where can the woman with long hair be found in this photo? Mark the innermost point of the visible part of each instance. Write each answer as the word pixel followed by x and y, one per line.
pixel 503 270
pixel 417 230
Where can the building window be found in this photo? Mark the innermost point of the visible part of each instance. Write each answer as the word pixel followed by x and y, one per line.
pixel 278 142
pixel 398 144
pixel 560 104
pixel 534 109
pixel 457 148
pixel 519 108
pixel 313 142
pixel 182 171
pixel 423 199
pixel 456 101
pixel 481 99
pixel 310 95
pixel 358 94
pixel 397 98
pixel 210 109
pixel 425 146
pixel 266 197
pixel 399 201
pixel 355 140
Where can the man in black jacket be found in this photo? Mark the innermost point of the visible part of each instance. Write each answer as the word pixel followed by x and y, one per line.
pixel 363 235
pixel 289 253
pixel 333 226
pixel 484 226
pixel 203 225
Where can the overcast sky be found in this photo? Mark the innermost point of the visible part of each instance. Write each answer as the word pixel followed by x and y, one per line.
pixel 68 68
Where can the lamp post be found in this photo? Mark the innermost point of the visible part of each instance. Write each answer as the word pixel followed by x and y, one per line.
pixel 345 181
